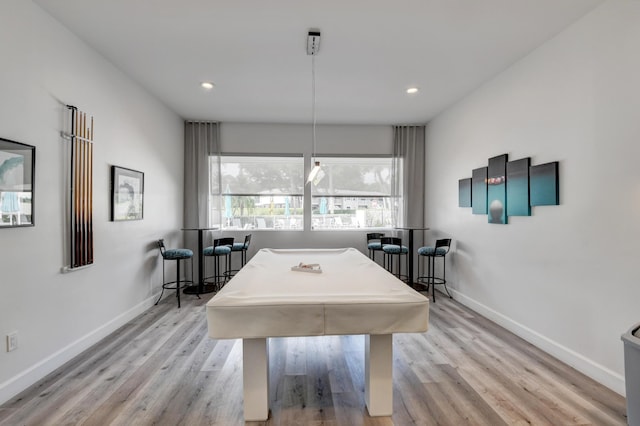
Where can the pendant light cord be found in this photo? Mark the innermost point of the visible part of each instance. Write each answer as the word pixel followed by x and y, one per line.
pixel 313 106
pixel 313 44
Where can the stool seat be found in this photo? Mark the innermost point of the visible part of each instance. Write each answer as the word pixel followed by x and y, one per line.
pixel 395 249
pixel 239 246
pixel 180 253
pixel 216 251
pixel 432 251
pixel 374 246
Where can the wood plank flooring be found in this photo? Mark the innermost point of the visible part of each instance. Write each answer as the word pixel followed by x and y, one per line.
pixel 162 369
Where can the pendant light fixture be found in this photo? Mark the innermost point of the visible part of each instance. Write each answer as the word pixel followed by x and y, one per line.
pixel 313 47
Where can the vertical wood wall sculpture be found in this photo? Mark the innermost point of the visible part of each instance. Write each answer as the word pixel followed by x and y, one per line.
pixel 81 178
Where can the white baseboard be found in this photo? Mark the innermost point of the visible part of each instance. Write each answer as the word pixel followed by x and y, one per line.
pixel 586 366
pixel 28 377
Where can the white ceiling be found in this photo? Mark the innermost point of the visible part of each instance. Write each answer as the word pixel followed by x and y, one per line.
pixel 370 52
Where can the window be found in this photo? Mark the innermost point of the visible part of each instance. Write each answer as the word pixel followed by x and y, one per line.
pixel 352 192
pixel 257 192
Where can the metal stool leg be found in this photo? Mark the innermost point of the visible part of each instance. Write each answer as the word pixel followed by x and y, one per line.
pixel 178 282
pixel 192 282
pixel 163 280
pixel 216 272
pixel 444 275
pixel 432 269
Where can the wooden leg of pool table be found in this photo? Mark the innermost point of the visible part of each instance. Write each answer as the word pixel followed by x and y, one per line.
pixel 255 375
pixel 378 364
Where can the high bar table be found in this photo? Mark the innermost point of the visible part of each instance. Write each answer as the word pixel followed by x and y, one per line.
pixel 201 288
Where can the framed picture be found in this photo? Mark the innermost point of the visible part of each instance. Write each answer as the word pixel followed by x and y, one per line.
pixel 127 194
pixel 17 177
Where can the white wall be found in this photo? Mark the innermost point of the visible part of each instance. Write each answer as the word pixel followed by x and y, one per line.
pixel 565 278
pixel 57 315
pixel 257 138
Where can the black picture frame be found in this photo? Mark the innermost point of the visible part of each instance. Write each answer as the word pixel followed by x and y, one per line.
pixel 127 194
pixel 17 184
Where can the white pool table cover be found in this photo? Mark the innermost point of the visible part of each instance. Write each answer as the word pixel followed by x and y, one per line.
pixel 352 295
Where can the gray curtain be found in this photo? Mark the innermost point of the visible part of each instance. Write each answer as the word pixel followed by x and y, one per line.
pixel 408 182
pixel 408 175
pixel 200 142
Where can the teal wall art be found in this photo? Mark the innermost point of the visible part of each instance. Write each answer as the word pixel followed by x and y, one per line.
pixel 479 191
pixel 518 187
pixel 464 192
pixel 509 188
pixel 544 184
pixel 497 189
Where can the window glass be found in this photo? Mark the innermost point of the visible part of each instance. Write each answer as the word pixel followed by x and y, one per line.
pixel 257 192
pixel 351 193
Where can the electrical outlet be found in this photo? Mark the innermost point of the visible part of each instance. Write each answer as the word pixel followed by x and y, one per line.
pixel 12 341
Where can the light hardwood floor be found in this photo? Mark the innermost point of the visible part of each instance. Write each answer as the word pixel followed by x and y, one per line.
pixel 162 369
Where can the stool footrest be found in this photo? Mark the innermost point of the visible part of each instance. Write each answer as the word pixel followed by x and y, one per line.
pixel 230 273
pixel 428 281
pixel 401 277
pixel 431 280
pixel 197 290
pixel 171 286
pixel 216 283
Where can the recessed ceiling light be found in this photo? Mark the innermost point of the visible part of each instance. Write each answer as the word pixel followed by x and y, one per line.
pixel 207 85
pixel 412 90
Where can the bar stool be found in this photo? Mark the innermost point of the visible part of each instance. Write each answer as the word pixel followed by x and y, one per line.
pixel 374 244
pixel 177 255
pixel 242 249
pixel 221 248
pixel 431 253
pixel 392 247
